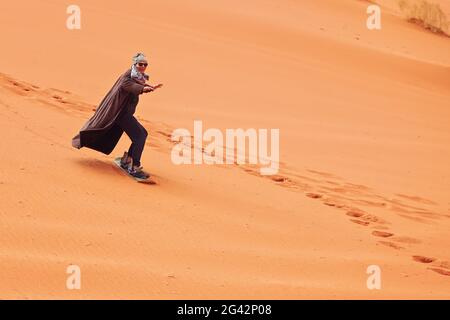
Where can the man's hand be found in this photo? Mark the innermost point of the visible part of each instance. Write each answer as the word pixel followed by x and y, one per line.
pixel 147 89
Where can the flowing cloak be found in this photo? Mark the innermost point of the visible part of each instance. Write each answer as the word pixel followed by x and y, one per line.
pixel 101 132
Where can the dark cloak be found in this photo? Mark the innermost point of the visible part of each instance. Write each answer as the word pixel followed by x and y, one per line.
pixel 101 132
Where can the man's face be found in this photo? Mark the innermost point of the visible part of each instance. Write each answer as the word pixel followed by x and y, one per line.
pixel 141 66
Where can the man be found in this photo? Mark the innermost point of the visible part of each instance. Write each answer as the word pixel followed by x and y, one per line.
pixel 114 115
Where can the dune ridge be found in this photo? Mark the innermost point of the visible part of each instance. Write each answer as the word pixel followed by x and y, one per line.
pixel 363 179
pixel 93 180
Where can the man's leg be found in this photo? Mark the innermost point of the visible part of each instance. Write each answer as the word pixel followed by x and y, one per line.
pixel 137 134
pixel 130 150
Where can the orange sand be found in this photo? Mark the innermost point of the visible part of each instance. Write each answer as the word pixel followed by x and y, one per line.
pixel 364 176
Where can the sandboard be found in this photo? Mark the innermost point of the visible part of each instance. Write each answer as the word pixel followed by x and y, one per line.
pixel 146 181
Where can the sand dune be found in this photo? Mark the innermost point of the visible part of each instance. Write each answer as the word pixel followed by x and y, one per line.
pixel 363 179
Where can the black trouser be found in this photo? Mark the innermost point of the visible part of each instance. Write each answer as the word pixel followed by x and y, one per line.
pixel 137 134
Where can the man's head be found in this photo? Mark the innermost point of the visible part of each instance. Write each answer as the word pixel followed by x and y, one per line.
pixel 140 61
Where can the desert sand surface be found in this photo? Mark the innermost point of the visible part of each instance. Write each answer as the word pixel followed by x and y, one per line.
pixel 364 173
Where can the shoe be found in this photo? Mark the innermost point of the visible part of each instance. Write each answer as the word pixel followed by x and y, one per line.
pixel 125 161
pixel 145 173
pixel 137 172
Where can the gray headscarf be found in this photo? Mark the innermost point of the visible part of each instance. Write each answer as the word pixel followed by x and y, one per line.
pixel 135 74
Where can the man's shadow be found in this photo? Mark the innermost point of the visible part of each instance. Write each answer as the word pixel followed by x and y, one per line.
pixel 99 166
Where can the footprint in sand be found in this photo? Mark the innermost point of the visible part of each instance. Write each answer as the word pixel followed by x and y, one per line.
pixel 423 259
pixel 314 195
pixel 333 203
pixel 441 271
pixel 372 218
pixel 382 234
pixel 285 182
pixel 279 179
pixel 442 268
pixel 391 245
pixel 355 214
pixel 363 223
